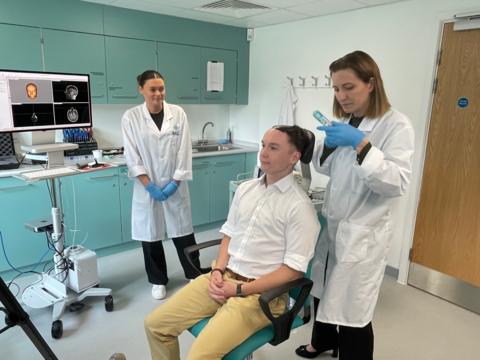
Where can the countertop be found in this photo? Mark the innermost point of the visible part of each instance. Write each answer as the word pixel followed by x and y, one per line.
pixel 119 160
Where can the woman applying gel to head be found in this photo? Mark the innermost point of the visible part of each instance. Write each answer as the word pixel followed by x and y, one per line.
pixel 368 157
pixel 158 152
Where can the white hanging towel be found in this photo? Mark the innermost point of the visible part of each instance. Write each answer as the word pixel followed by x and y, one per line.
pixel 287 109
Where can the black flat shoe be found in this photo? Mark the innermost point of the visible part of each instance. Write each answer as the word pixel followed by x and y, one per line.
pixel 303 352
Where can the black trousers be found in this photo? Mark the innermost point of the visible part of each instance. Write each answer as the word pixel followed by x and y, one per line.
pixel 353 343
pixel 156 265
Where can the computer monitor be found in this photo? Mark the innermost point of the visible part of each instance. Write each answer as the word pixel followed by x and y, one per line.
pixel 32 101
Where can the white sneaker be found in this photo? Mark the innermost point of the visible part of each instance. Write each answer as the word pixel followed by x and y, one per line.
pixel 117 356
pixel 159 292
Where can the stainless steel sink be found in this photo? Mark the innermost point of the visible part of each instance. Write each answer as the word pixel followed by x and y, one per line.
pixel 213 147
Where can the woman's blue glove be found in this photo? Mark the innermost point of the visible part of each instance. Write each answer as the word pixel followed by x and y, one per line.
pixel 155 191
pixel 340 134
pixel 170 189
pixel 328 143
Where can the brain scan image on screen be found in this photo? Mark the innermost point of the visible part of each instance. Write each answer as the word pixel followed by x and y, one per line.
pixel 34 118
pixel 32 91
pixel 71 92
pixel 72 115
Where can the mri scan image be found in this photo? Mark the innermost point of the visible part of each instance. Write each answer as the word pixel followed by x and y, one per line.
pixel 71 92
pixel 72 115
pixel 31 90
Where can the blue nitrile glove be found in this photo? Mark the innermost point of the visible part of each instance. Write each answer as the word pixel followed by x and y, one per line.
pixel 329 143
pixel 340 134
pixel 170 189
pixel 155 191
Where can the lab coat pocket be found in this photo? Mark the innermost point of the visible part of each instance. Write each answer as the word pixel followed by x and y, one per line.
pixel 351 242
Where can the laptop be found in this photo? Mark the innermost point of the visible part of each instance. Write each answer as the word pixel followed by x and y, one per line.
pixel 8 160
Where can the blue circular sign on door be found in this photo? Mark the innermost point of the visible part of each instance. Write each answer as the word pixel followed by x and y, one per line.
pixel 462 102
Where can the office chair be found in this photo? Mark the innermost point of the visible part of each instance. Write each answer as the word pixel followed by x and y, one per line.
pixel 279 330
pixel 298 291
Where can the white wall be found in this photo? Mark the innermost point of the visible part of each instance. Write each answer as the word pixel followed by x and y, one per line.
pixel 107 122
pixel 401 37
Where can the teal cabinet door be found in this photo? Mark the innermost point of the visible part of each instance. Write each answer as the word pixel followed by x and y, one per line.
pixel 223 170
pixel 180 66
pixel 126 59
pixel 92 206
pixel 21 203
pixel 21 48
pixel 251 160
pixel 229 59
pixel 199 189
pixel 126 193
pixel 80 54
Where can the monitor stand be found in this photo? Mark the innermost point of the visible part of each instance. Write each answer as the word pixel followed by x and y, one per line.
pixel 44 143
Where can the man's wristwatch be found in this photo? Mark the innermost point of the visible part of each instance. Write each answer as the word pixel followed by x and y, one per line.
pixel 239 291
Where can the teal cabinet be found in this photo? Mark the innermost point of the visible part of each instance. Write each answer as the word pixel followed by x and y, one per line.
pixel 229 60
pixel 21 203
pixel 180 66
pixel 91 206
pixel 185 70
pixel 69 15
pixel 209 190
pixel 251 160
pixel 78 53
pixel 126 59
pixel 199 189
pixel 126 192
pixel 223 170
pixel 21 48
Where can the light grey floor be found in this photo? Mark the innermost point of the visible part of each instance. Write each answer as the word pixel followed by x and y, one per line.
pixel 409 324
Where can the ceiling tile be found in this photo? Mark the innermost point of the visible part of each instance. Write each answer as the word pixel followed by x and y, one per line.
pixel 270 18
pixel 378 2
pixel 324 7
pixel 283 11
pixel 184 4
pixel 142 5
pixel 280 4
pixel 200 15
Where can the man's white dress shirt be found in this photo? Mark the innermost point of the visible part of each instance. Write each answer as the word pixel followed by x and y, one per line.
pixel 270 226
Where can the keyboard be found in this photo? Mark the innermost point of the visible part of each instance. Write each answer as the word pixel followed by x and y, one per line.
pixel 48 173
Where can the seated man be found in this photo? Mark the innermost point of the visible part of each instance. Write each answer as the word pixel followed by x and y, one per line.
pixel 269 239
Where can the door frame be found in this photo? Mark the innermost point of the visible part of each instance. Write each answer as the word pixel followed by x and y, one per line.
pixel 404 267
pixel 434 282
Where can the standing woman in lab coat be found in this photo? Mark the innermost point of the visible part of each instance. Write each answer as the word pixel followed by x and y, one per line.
pixel 368 157
pixel 158 152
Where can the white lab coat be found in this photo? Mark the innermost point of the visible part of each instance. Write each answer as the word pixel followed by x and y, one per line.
pixel 287 108
pixel 163 156
pixel 357 208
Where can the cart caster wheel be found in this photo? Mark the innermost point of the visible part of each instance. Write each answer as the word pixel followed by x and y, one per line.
pixel 57 329
pixel 109 303
pixel 76 306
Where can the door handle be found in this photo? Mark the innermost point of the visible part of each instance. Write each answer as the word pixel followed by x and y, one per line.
pixel 124 96
pixel 102 177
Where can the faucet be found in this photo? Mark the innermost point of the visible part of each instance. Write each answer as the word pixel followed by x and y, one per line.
pixel 203 141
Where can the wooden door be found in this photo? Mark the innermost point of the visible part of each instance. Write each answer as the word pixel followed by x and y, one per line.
pixel 447 231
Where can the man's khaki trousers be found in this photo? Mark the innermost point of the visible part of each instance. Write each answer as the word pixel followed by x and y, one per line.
pixel 231 324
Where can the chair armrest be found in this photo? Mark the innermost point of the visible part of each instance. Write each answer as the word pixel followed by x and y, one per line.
pixel 189 250
pixel 283 323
